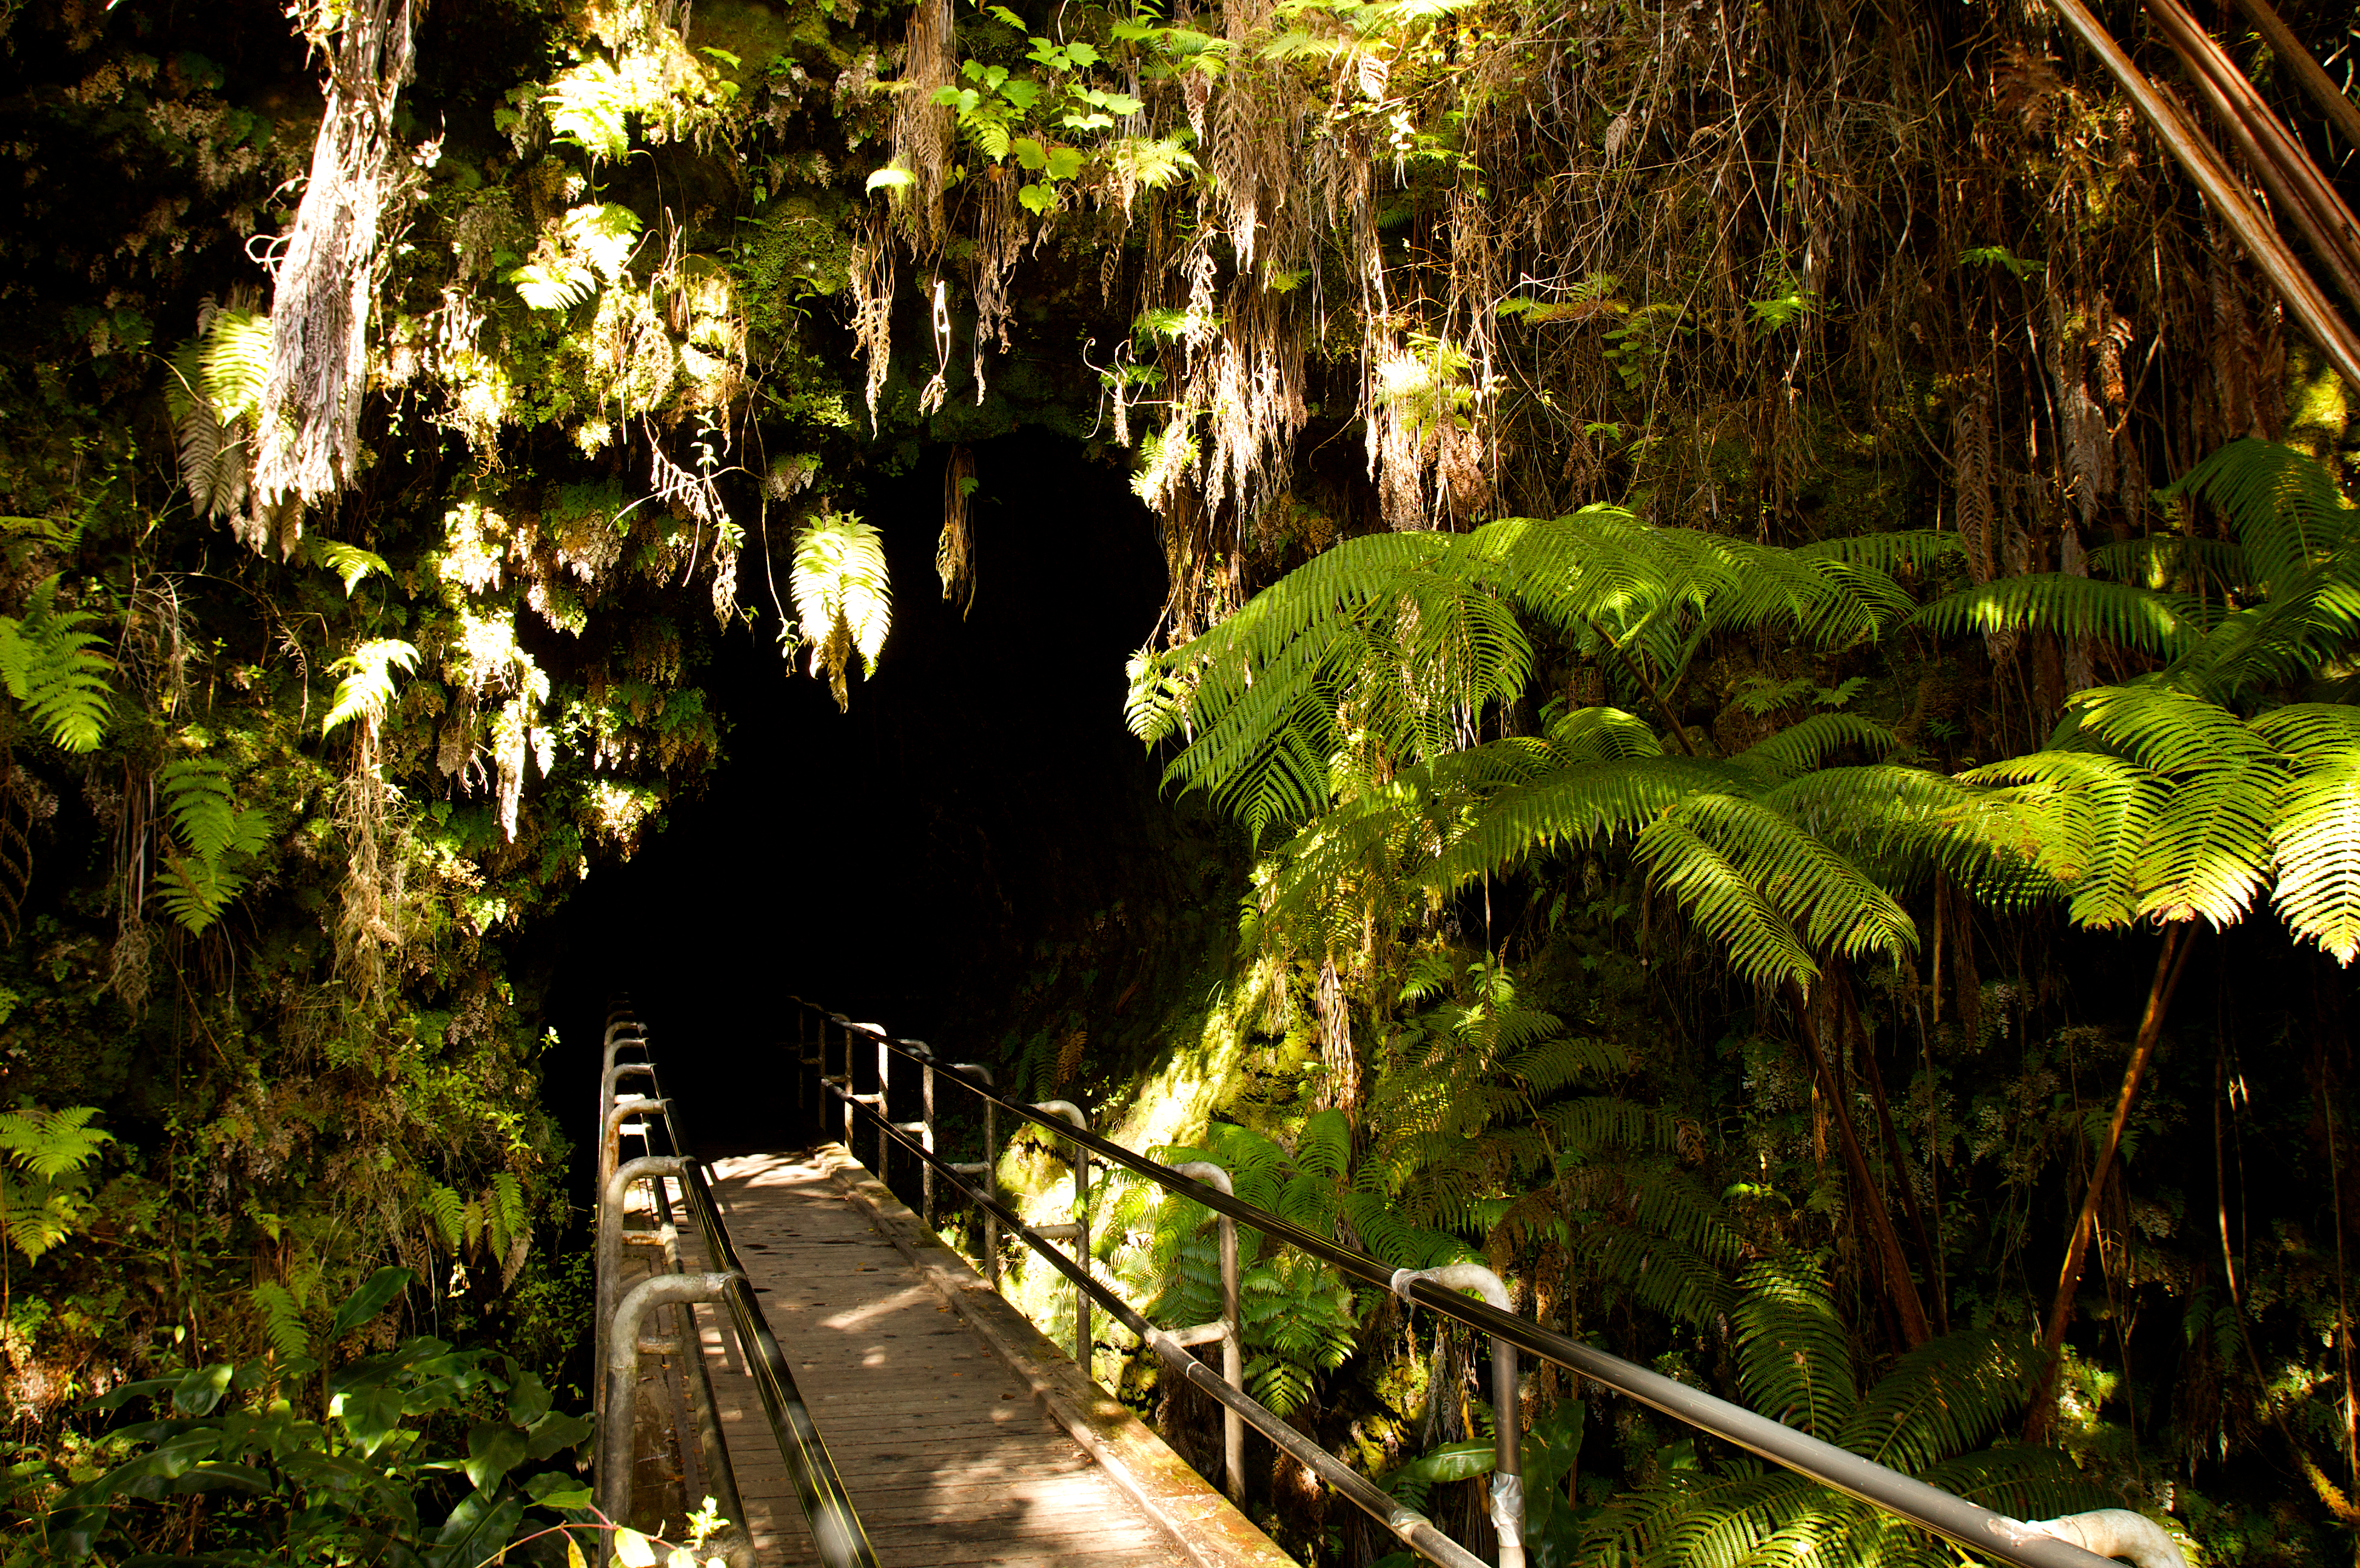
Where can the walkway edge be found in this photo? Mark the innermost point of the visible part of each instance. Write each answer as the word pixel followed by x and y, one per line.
pixel 1201 1522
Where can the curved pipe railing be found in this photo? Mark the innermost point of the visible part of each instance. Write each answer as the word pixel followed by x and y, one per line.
pixel 834 1525
pixel 1944 1514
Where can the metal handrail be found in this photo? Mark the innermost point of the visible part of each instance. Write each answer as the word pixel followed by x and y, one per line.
pixel 834 1525
pixel 1414 1528
pixel 1929 1508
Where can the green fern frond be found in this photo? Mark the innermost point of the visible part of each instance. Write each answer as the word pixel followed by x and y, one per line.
pixel 1806 745
pixel 1915 549
pixel 2158 560
pixel 1793 1357
pixel 367 684
pixel 843 596
pixel 52 1144
pixel 445 1212
pixel 1768 892
pixel 2310 622
pixel 49 662
pixel 2286 506
pixel 2315 838
pixel 1944 1398
pixel 233 364
pixel 2071 606
pixel 506 1206
pixel 282 1319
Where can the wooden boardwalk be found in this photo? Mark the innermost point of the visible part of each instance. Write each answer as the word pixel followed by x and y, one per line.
pixel 946 1452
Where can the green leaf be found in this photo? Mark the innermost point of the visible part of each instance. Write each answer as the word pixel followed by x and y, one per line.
pixel 555 1433
pixel 1037 197
pixel 494 1448
pixel 632 1548
pixel 371 1414
pixel 1064 162
pixel 198 1392
pixel 554 1489
pixel 891 178
pixel 1023 91
pixel 1029 154
pixel 376 1292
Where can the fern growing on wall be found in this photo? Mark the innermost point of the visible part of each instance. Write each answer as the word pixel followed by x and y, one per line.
pixel 215 396
pixel 207 862
pixel 842 596
pixel 51 664
pixel 44 1160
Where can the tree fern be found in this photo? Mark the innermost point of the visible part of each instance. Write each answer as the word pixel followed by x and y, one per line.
pixel 2315 834
pixel 2141 619
pixel 2285 508
pixel 2159 802
pixel 1925 1417
pixel 49 663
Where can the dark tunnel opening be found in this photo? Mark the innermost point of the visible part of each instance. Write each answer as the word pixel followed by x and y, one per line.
pixel 898 861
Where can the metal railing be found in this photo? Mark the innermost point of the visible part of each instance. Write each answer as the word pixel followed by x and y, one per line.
pixel 836 1530
pixel 1952 1517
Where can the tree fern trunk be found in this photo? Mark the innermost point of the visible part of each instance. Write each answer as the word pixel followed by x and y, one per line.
pixel 2168 963
pixel 1906 1306
pixel 1885 1127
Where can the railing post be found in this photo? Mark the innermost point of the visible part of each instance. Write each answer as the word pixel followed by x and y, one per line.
pixel 884 1107
pixel 1233 1351
pixel 1507 1415
pixel 844 1081
pixel 621 1378
pixel 925 1128
pixel 989 1169
pixel 1085 1344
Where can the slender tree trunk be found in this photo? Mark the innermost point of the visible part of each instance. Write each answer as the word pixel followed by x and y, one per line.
pixel 1910 1205
pixel 2168 963
pixel 1902 1290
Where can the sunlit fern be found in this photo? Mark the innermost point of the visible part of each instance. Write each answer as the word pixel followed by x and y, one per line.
pixel 49 662
pixel 1348 702
pixel 842 596
pixel 215 396
pixel 2280 599
pixel 1297 1315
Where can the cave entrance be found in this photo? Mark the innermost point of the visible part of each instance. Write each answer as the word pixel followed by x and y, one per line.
pixel 899 861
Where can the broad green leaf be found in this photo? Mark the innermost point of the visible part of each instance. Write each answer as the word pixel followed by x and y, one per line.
pixel 555 1433
pixel 1029 154
pixel 198 1392
pixel 364 1304
pixel 632 1548
pixel 371 1415
pixel 494 1448
pixel 555 1489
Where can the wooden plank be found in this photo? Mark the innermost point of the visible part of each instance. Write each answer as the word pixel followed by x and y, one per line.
pixel 945 1454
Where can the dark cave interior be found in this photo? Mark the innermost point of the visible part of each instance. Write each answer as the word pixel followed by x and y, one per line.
pixel 896 861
